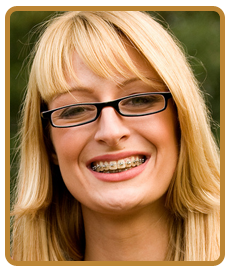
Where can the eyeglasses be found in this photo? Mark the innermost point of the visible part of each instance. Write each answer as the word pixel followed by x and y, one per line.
pixel 130 106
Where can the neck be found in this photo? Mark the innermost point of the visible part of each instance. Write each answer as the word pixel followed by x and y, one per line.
pixel 142 236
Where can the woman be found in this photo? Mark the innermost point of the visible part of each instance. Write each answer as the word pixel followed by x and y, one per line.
pixel 117 157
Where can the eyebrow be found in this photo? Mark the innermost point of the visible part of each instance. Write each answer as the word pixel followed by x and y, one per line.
pixel 128 81
pixel 81 88
pixel 152 80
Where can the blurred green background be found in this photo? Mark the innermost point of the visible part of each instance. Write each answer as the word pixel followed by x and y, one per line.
pixel 198 31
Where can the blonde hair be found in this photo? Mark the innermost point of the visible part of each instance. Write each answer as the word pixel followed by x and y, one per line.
pixel 44 227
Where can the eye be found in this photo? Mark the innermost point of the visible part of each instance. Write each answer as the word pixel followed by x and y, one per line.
pixel 147 100
pixel 137 101
pixel 73 111
pixel 142 104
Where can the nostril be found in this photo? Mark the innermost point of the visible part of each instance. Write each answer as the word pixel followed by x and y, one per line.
pixel 111 128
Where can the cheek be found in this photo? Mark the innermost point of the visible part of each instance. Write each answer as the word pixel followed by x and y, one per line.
pixel 161 131
pixel 168 137
pixel 168 149
pixel 68 144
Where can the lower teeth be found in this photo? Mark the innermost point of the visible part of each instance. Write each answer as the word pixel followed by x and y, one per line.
pixel 116 171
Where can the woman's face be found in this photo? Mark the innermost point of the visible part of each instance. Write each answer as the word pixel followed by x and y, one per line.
pixel 114 138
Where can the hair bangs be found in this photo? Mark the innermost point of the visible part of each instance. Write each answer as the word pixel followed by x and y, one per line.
pixel 49 62
pixel 101 45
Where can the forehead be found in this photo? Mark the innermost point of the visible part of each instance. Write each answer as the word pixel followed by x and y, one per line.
pixel 86 73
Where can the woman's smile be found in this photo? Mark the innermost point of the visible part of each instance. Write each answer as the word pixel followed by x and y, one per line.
pixel 118 167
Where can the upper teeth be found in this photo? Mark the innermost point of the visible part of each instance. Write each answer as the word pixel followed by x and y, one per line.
pixel 121 164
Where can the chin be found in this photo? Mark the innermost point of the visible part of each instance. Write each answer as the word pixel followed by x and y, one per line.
pixel 120 202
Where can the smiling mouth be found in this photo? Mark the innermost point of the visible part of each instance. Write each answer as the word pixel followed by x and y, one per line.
pixel 117 166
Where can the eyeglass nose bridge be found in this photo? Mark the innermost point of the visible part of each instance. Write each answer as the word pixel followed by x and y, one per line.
pixel 114 104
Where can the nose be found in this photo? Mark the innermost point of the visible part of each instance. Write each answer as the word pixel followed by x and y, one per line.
pixel 110 129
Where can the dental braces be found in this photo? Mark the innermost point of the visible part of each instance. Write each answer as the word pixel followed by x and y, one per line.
pixel 97 167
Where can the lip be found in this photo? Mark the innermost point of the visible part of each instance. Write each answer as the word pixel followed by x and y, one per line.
pixel 122 176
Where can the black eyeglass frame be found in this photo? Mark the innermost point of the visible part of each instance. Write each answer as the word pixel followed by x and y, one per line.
pixel 100 105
